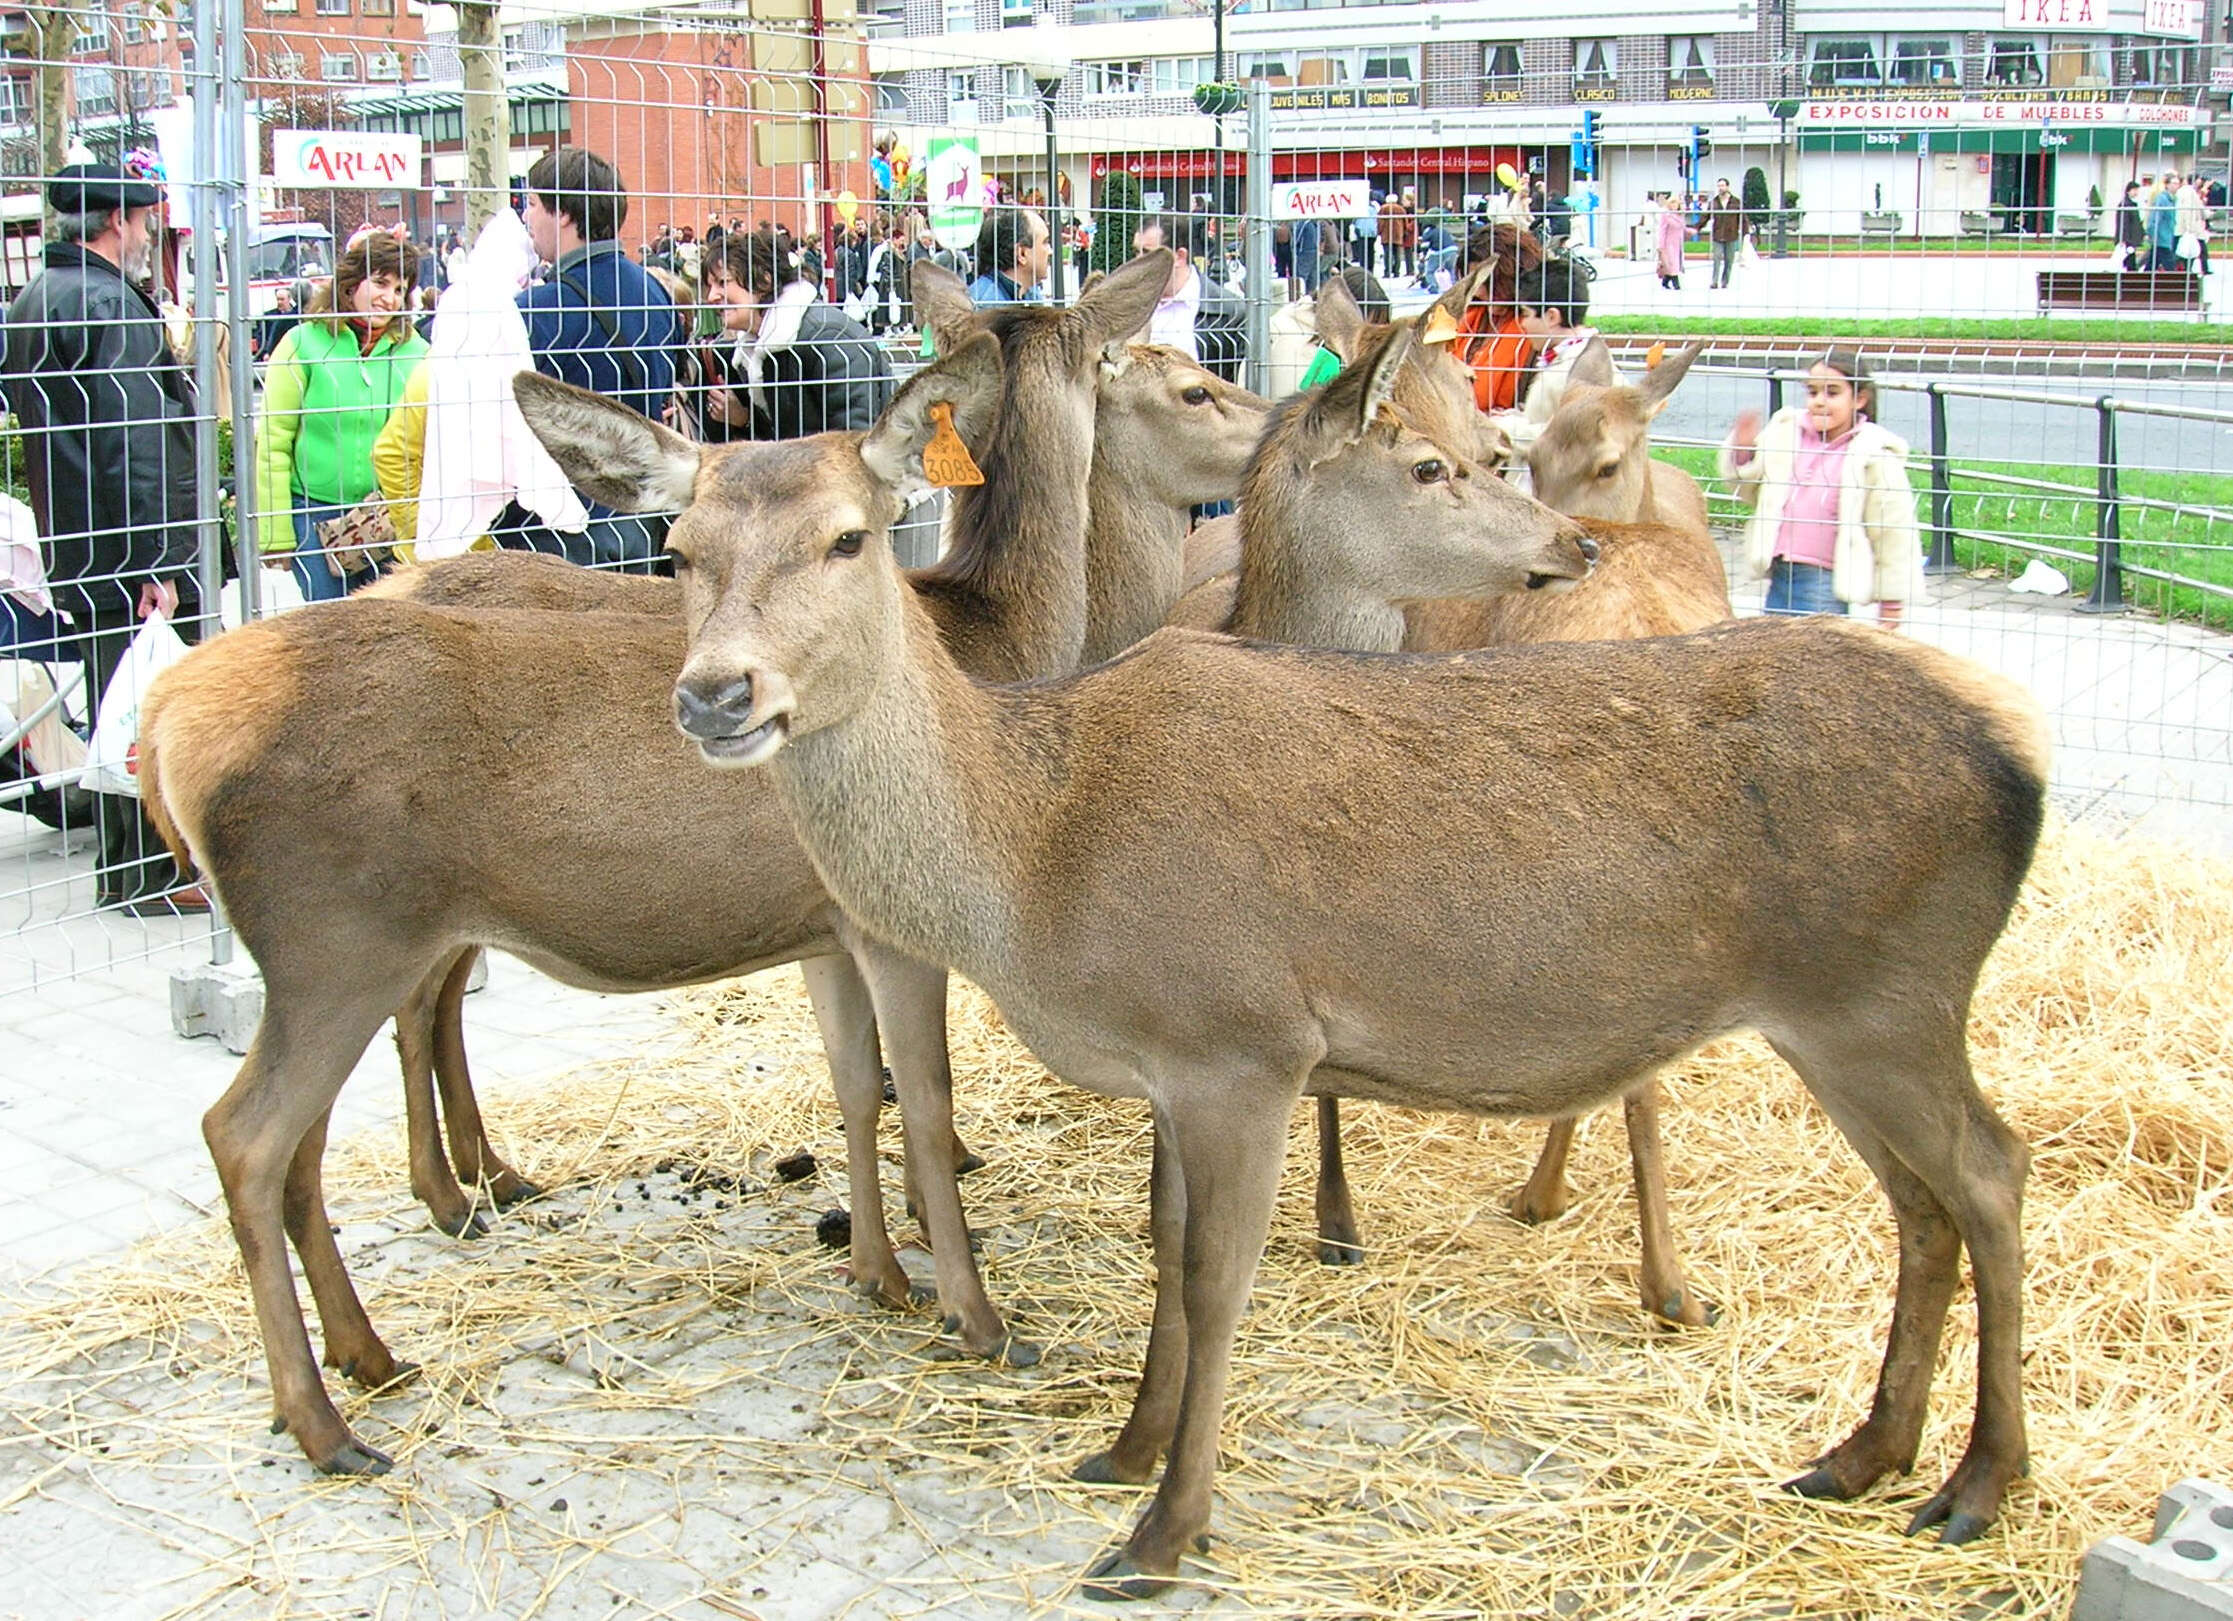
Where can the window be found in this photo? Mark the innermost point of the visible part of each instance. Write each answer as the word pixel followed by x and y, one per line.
pixel 375 8
pixel 422 65
pixel 961 16
pixel 92 34
pixel 283 65
pixel 332 8
pixel 1500 71
pixel 1690 64
pixel 1278 69
pixel 1178 75
pixel 892 99
pixel 1322 67
pixel 282 8
pixel 1015 14
pixel 1020 97
pixel 1843 59
pixel 1925 64
pixel 1596 64
pixel 135 25
pixel 337 67
pixel 1387 62
pixel 15 99
pixel 384 67
pixel 2077 63
pixel 96 88
pixel 2162 66
pixel 961 96
pixel 2014 62
pixel 1115 78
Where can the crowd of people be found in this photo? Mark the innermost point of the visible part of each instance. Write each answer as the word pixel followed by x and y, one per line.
pixel 743 332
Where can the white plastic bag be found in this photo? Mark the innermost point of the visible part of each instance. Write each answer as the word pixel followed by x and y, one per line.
pixel 112 752
pixel 1747 254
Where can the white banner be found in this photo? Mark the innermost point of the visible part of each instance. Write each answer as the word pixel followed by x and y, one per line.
pixel 326 159
pixel 1321 200
pixel 1859 114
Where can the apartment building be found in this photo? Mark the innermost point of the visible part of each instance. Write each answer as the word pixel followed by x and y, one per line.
pixel 2017 111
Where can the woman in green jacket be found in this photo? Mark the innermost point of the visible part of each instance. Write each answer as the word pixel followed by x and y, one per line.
pixel 331 384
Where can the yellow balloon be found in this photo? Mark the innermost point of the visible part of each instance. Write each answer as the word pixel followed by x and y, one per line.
pixel 848 205
pixel 1507 176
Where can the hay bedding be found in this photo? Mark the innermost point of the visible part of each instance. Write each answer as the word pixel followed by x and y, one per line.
pixel 651 1392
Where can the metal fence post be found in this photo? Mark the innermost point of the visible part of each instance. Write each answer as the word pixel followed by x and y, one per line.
pixel 1941 560
pixel 2107 595
pixel 1775 391
pixel 1259 273
pixel 240 163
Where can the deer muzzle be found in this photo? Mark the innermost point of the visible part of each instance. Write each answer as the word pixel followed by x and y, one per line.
pixel 731 718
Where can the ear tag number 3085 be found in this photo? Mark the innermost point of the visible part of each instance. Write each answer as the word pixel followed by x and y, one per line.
pixel 946 460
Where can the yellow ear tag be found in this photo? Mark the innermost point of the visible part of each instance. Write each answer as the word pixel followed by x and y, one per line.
pixel 1654 355
pixel 1441 327
pixel 946 460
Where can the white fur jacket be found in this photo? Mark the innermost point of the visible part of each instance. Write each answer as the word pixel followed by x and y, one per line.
pixel 1879 553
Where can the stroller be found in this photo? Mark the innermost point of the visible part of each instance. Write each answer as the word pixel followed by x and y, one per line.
pixel 43 708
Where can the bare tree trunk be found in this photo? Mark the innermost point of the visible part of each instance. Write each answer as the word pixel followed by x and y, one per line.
pixel 488 114
pixel 51 31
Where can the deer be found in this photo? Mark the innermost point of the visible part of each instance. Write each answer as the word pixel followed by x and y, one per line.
pixel 241 771
pixel 1167 435
pixel 1222 875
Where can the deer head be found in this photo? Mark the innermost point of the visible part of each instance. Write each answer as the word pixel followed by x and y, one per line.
pixel 1182 434
pixel 1437 380
pixel 1592 458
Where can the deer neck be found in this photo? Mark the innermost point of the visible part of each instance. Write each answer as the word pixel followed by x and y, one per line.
pixel 1134 561
pixel 1016 542
pixel 1287 594
pixel 915 808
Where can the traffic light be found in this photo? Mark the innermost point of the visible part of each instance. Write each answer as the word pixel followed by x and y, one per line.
pixel 1590 138
pixel 1700 142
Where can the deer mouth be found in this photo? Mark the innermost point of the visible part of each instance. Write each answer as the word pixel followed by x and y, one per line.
pixel 748 748
pixel 1545 582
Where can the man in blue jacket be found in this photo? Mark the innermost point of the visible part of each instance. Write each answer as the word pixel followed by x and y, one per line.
pixel 601 322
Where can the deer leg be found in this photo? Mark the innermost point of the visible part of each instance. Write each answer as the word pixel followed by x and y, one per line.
pixel 848 1023
pixel 433 1183
pixel 1338 1243
pixel 1666 1291
pixel 294 1069
pixel 353 1346
pixel 1545 1197
pixel 478 1163
pixel 1229 1142
pixel 1954 1173
pixel 910 999
pixel 1131 1459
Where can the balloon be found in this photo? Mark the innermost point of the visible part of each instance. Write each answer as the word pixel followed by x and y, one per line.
pixel 1507 176
pixel 848 206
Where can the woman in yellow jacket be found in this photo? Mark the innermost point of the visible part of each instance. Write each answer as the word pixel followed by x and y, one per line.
pixel 332 383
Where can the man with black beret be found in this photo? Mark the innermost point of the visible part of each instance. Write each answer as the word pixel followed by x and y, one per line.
pixel 106 414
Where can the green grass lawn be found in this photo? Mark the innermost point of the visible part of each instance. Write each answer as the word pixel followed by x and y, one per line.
pixel 2079 329
pixel 2186 542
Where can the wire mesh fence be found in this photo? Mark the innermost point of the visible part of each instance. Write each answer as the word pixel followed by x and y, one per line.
pixel 239 390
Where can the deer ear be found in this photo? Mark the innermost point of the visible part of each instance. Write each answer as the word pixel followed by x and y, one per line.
pixel 1093 281
pixel 1455 302
pixel 1660 381
pixel 1338 320
pixel 942 303
pixel 1121 306
pixel 1347 406
pixel 967 378
pixel 1594 366
pixel 1116 358
pixel 608 452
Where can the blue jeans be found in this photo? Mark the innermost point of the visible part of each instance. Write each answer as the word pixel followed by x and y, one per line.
pixel 314 570
pixel 628 542
pixel 1800 588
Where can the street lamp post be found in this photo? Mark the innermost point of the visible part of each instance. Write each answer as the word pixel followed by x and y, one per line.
pixel 1047 72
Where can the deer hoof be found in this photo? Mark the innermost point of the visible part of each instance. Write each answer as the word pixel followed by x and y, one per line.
pixel 968 1162
pixel 518 1191
pixel 1821 1485
pixel 1102 1469
pixel 1682 1309
pixel 354 1458
pixel 469 1225
pixel 1117 1579
pixel 1334 1252
pixel 1957 1525
pixel 1017 1353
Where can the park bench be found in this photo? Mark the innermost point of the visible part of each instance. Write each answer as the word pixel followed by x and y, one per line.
pixel 2178 291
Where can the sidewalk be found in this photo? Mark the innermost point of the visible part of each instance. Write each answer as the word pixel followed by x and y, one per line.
pixel 100 1148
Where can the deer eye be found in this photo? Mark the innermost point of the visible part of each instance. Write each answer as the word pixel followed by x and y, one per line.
pixel 1197 395
pixel 1608 470
pixel 849 544
pixel 1430 471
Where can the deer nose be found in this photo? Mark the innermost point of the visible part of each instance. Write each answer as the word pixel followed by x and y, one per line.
pixel 1588 546
pixel 718 714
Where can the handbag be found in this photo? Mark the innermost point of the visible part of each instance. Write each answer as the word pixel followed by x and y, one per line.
pixel 2190 247
pixel 361 539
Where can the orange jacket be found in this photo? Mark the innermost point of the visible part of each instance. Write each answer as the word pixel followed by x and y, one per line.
pixel 1499 356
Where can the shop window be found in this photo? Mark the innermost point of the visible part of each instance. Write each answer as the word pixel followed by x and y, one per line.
pixel 1277 70
pixel 2014 62
pixel 1843 59
pixel 1500 70
pixel 1399 66
pixel 1925 64
pixel 2077 63
pixel 1690 64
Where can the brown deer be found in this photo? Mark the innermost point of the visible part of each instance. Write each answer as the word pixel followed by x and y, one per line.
pixel 1218 875
pixel 1167 435
pixel 560 848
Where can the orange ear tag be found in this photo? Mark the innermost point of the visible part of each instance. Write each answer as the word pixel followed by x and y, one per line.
pixel 1654 355
pixel 1441 327
pixel 946 460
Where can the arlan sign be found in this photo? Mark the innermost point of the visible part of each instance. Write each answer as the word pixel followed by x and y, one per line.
pixel 323 159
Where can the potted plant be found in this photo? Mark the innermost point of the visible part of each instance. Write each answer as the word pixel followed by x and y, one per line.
pixel 1216 100
pixel 1792 212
